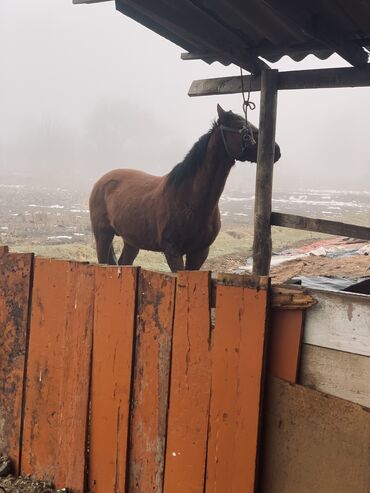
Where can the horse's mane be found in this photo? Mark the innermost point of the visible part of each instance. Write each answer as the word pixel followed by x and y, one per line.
pixel 192 161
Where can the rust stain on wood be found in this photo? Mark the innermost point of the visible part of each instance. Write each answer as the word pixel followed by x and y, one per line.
pixel 291 298
pixel 55 424
pixel 3 250
pixel 151 380
pixel 15 284
pixel 237 375
pixel 285 343
pixel 190 386
pixel 287 297
pixel 244 280
pixel 114 323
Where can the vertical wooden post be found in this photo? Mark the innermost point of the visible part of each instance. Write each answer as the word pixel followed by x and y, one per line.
pixel 265 162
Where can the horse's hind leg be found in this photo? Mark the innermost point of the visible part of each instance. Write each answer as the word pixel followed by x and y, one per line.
pixel 174 261
pixel 195 260
pixel 128 255
pixel 104 247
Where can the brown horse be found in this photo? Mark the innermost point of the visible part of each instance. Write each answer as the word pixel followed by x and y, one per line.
pixel 177 213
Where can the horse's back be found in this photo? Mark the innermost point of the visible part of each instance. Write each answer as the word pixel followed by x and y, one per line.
pixel 129 201
pixel 124 177
pixel 123 181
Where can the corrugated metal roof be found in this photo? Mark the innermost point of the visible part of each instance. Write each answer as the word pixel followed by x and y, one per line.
pixel 244 31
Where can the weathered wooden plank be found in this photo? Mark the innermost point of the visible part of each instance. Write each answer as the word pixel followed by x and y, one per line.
pixel 265 165
pixel 237 375
pixel 297 79
pixel 58 373
pixel 3 250
pixel 15 286
pixel 151 381
pixel 190 386
pixel 339 321
pixel 320 225
pixel 336 373
pixel 313 442
pixel 243 280
pixel 114 325
pixel 284 344
pixel 291 298
pixel 287 297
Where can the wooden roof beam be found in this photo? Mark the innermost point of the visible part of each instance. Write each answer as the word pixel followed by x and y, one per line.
pixel 299 79
pixel 77 2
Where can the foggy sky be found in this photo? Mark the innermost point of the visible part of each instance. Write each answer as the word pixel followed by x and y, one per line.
pixel 84 89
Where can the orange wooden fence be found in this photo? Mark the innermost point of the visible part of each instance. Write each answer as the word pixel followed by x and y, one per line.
pixel 115 379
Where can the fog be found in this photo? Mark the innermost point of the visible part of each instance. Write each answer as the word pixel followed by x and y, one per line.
pixel 84 89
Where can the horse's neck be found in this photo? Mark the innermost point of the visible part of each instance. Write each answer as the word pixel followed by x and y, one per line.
pixel 210 180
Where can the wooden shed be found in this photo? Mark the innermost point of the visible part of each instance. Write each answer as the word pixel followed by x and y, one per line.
pixel 124 380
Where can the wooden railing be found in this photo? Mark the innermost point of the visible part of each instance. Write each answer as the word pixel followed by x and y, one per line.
pixel 115 379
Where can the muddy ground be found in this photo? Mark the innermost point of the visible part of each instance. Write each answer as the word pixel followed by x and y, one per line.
pixel 25 485
pixel 11 484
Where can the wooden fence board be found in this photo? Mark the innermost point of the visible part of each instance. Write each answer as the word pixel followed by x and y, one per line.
pixel 114 324
pixel 151 380
pixel 346 322
pixel 313 442
pixel 237 375
pixel 320 225
pixel 190 386
pixel 4 249
pixel 336 373
pixel 285 343
pixel 55 422
pixel 15 284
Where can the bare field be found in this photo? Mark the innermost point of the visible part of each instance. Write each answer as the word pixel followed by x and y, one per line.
pixel 55 223
pixel 230 250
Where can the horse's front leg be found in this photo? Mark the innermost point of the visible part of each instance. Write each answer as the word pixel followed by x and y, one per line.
pixel 128 255
pixel 195 260
pixel 174 260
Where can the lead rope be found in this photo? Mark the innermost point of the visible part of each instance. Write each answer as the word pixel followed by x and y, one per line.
pixel 247 103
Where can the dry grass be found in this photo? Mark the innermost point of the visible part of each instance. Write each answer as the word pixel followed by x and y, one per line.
pixel 230 250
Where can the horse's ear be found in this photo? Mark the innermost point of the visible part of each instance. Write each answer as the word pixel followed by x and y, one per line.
pixel 221 113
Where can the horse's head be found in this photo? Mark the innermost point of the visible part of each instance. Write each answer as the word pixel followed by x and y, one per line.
pixel 240 139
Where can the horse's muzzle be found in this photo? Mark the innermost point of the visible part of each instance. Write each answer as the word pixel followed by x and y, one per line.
pixel 277 153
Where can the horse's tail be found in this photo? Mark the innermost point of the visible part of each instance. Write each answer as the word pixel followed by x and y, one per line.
pixel 100 223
